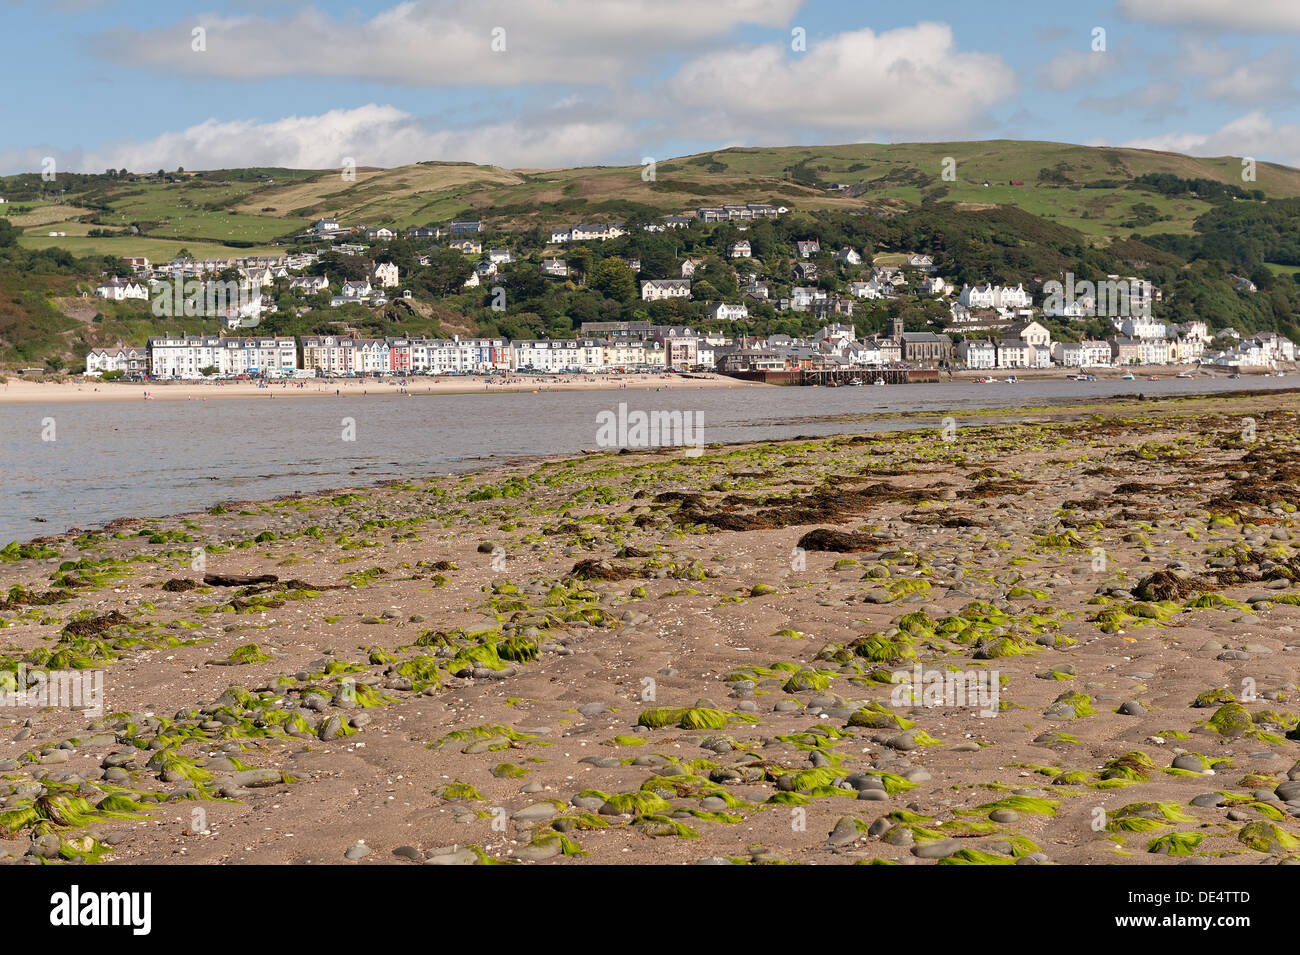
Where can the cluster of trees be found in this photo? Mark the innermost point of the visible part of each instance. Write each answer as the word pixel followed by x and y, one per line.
pixel 1210 190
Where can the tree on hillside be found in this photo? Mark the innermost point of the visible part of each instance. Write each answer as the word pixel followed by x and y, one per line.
pixel 615 280
pixel 447 272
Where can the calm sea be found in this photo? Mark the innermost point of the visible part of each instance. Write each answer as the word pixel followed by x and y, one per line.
pixel 137 459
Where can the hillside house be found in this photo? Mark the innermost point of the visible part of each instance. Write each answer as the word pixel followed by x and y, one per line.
pixel 655 290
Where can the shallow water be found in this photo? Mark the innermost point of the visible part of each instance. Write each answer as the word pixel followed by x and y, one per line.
pixel 126 459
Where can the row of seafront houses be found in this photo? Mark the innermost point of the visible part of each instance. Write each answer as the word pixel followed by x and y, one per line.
pixel 630 346
pixel 651 348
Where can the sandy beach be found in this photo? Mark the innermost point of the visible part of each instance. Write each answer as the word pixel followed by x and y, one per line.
pixel 18 391
pixel 649 658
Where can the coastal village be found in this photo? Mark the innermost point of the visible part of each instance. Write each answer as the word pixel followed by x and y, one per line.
pixel 983 327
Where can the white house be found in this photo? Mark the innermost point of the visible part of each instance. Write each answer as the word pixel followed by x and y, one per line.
pixel 1014 353
pixel 740 250
pixel 118 289
pixel 808 248
pixel 125 360
pixel 357 290
pixel 557 354
pixel 689 266
pixel 456 355
pixel 977 353
pixel 385 275
pixel 309 284
pixel 271 357
pixel 728 313
pixel 802 297
pixel 184 356
pixel 847 256
pixel 591 233
pixel 1142 327
pixel 654 290
pixel 1089 353
pixel 1031 333
pixel 1278 347
pixel 1075 309
pixel 1155 351
pixel 994 296
pixel 872 289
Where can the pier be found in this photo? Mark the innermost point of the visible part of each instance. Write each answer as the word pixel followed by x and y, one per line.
pixel 834 377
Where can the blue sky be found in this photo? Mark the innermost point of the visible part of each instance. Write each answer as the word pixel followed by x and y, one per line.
pixel 581 82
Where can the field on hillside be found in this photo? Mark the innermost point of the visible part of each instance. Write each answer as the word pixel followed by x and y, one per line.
pixel 155 250
pixel 1080 186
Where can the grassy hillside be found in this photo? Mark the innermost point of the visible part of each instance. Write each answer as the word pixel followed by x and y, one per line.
pixel 1089 188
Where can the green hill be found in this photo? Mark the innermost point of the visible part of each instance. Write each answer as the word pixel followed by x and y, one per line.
pixel 1089 188
pixel 1006 211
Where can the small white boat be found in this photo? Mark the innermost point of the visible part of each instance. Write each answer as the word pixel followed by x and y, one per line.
pixel 879 382
pixel 1127 376
pixel 855 383
pixel 1184 374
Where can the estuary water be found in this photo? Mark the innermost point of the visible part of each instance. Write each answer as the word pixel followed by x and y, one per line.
pixel 152 458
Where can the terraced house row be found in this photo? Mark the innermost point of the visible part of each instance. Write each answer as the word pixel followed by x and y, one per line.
pixel 208 356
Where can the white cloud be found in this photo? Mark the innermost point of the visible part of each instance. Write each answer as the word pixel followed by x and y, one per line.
pixel 1265 78
pixel 448 43
pixel 906 82
pixel 1252 16
pixel 372 135
pixel 1073 67
pixel 1154 100
pixel 1253 134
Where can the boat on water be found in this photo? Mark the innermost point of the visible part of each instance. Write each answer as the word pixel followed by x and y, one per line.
pixel 1011 379
pixel 879 382
pixel 1127 376
pixel 855 383
pixel 1233 377
pixel 986 380
pixel 1153 377
pixel 1184 374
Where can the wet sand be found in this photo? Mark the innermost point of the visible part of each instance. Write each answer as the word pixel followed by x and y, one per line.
pixel 650 658
pixel 17 391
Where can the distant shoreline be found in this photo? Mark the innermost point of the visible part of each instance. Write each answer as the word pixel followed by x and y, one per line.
pixel 19 392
